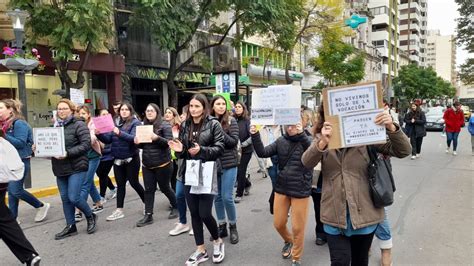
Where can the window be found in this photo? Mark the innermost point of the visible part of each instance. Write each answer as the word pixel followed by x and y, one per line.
pixel 380 43
pixel 379 10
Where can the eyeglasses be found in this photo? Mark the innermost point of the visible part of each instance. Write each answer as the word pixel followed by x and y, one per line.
pixel 63 109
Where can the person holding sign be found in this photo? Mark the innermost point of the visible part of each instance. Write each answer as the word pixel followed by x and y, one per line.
pixel 292 186
pixel 347 210
pixel 106 163
pixel 126 156
pixel 201 144
pixel 157 167
pixel 17 131
pixel 71 170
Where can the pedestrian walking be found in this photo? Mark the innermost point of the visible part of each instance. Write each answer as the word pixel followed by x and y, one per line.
pixel 471 130
pixel 224 202
pixel 126 157
pixel 454 120
pixel 105 165
pixel 415 121
pixel 349 216
pixel 17 131
pixel 292 188
pixel 157 166
pixel 201 140
pixel 71 170
pixel 172 117
pixel 243 121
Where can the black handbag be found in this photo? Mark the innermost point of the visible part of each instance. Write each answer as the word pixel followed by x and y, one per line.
pixel 381 183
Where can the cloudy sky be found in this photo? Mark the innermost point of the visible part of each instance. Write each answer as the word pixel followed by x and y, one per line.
pixel 442 15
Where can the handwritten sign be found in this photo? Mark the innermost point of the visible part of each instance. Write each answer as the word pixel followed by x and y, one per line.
pixel 352 99
pixel 276 105
pixel 144 133
pixel 49 142
pixel 360 129
pixel 77 96
pixel 104 123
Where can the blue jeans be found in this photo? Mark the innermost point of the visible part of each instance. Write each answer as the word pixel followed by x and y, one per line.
pixel 16 191
pixel 383 232
pixel 452 136
pixel 89 185
pixel 70 189
pixel 181 201
pixel 224 202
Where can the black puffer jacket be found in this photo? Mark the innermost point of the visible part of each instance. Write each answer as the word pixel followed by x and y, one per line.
pixel 158 152
pixel 416 129
pixel 294 180
pixel 244 135
pixel 231 138
pixel 78 142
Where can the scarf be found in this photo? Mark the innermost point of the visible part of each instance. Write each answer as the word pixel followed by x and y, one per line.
pixel 62 122
pixel 6 124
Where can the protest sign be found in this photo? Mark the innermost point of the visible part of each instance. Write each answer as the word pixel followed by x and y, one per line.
pixel 351 110
pixel 77 96
pixel 49 142
pixel 144 133
pixel 276 105
pixel 104 123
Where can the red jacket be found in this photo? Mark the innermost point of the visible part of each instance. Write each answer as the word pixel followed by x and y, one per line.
pixel 453 120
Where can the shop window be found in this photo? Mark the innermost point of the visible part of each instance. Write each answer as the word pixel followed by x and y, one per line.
pixel 99 81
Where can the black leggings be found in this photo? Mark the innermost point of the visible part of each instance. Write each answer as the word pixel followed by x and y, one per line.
pixel 416 145
pixel 103 173
pixel 242 181
pixel 12 234
pixel 174 175
pixel 124 172
pixel 200 207
pixel 161 176
pixel 345 251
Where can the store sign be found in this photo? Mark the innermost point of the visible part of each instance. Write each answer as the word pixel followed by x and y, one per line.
pixel 225 83
pixel 74 57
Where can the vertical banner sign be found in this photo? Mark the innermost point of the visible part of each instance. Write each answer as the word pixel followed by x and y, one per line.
pixel 49 142
pixel 77 96
pixel 226 83
pixel 276 105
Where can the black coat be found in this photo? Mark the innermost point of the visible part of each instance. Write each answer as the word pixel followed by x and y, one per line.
pixel 294 179
pixel 78 143
pixel 416 129
pixel 231 138
pixel 244 135
pixel 158 152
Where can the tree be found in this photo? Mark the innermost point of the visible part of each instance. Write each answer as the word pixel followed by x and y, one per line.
pixel 465 36
pixel 338 62
pixel 85 22
pixel 415 82
pixel 174 26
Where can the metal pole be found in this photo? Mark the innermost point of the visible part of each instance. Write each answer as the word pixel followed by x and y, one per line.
pixel 22 93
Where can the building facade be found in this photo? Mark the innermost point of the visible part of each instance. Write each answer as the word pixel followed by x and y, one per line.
pixel 413 33
pixel 441 55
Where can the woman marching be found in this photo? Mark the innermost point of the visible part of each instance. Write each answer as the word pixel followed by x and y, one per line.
pixel 157 167
pixel 201 140
pixel 224 202
pixel 347 210
pixel 105 165
pixel 415 122
pixel 126 157
pixel 71 170
pixel 17 131
pixel 243 120
pixel 172 117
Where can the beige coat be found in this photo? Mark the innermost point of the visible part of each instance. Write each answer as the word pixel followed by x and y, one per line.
pixel 345 180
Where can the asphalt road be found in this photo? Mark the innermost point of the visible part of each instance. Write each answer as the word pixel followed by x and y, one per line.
pixel 431 222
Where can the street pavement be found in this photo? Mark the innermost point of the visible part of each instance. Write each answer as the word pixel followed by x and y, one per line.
pixel 431 223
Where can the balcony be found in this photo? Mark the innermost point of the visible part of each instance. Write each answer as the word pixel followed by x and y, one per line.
pixel 379 35
pixel 381 19
pixel 413 27
pixel 413 15
pixel 413 5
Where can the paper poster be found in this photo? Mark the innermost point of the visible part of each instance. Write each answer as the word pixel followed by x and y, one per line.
pixel 360 129
pixel 205 184
pixel 77 96
pixel 104 124
pixel 352 99
pixel 49 142
pixel 144 133
pixel 276 105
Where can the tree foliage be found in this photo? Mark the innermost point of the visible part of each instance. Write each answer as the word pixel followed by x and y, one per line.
pixel 465 36
pixel 415 82
pixel 64 23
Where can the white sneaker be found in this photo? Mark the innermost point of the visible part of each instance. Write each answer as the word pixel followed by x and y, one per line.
pixel 18 221
pixel 191 232
pixel 197 257
pixel 447 150
pixel 112 194
pixel 413 157
pixel 117 214
pixel 418 155
pixel 455 153
pixel 42 212
pixel 219 253
pixel 179 229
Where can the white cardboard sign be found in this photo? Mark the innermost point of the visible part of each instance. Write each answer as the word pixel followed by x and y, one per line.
pixel 276 105
pixel 49 142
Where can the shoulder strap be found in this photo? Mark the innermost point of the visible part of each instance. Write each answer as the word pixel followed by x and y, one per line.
pixel 372 153
pixel 290 153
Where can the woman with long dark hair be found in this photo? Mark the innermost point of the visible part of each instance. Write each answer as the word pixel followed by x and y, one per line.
pixel 224 202
pixel 201 140
pixel 157 167
pixel 126 157
pixel 415 121
pixel 243 120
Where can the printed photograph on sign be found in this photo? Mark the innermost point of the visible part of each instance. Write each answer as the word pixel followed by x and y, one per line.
pixel 360 129
pixel 352 99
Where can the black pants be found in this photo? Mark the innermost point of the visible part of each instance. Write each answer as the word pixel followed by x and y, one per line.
pixel 242 181
pixel 416 145
pixel 124 172
pixel 174 175
pixel 200 207
pixel 317 214
pixel 12 234
pixel 161 176
pixel 345 251
pixel 103 173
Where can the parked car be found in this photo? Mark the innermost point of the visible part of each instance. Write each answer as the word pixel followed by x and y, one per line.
pixel 467 112
pixel 434 118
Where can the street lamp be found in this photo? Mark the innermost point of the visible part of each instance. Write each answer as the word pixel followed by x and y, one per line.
pixel 269 69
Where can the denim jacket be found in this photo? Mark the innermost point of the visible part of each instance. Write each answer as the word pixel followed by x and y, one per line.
pixel 20 135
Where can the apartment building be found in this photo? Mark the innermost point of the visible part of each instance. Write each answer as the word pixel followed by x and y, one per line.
pixel 413 33
pixel 441 55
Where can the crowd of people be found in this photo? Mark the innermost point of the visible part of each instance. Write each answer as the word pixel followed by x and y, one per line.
pixel 197 158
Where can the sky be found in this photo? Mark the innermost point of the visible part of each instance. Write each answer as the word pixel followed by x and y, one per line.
pixel 442 15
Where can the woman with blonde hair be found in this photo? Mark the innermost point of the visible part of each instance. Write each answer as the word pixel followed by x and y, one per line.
pixel 172 117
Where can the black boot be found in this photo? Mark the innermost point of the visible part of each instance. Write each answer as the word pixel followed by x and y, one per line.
pixel 234 235
pixel 91 223
pixel 146 220
pixel 69 230
pixel 222 230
